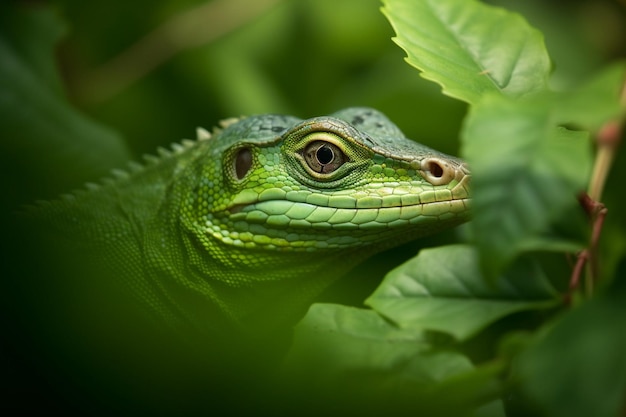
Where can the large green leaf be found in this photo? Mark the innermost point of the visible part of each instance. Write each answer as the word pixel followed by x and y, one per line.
pixel 526 172
pixel 470 48
pixel 356 339
pixel 351 359
pixel 442 289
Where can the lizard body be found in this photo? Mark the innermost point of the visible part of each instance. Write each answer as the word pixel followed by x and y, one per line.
pixel 249 225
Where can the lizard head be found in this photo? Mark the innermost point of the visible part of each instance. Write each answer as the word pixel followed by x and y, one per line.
pixel 350 179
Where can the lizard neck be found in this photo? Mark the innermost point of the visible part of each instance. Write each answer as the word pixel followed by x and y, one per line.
pixel 241 284
pixel 197 276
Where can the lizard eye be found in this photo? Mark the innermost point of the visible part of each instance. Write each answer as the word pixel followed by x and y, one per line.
pixel 323 157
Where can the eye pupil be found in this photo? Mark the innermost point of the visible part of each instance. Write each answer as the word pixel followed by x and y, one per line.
pixel 325 155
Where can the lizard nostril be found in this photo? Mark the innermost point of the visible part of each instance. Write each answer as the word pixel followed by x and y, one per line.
pixel 435 169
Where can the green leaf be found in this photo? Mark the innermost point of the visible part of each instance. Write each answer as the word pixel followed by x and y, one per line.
pixel 579 368
pixel 442 289
pixel 353 338
pixel 47 147
pixel 596 102
pixel 526 172
pixel 470 48
pixel 354 358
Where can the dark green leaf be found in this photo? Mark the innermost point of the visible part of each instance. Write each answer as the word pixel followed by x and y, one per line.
pixel 354 358
pixel 45 143
pixel 442 289
pixel 525 174
pixel 31 37
pixel 352 338
pixel 579 368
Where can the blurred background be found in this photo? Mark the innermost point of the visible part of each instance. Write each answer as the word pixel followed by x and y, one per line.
pixel 154 70
pixel 147 73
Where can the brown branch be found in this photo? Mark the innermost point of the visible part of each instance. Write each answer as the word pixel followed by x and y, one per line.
pixel 608 139
pixel 188 29
pixel 588 257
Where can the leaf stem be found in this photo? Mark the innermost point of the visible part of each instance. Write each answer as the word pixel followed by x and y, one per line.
pixel 608 139
pixel 588 257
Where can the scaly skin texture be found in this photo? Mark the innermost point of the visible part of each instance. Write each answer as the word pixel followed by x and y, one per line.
pixel 247 226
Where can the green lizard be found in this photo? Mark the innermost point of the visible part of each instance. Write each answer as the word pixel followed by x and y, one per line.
pixel 246 227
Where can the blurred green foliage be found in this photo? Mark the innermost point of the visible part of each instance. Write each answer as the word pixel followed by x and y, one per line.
pixel 302 57
pixel 298 57
pixel 149 72
pixel 154 70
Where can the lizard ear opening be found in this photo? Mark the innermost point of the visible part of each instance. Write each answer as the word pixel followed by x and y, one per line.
pixel 242 163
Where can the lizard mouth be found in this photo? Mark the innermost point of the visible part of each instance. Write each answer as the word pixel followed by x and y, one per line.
pixel 286 214
pixel 393 196
pixel 343 212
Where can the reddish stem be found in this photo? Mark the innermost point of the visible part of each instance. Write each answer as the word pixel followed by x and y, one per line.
pixel 597 213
